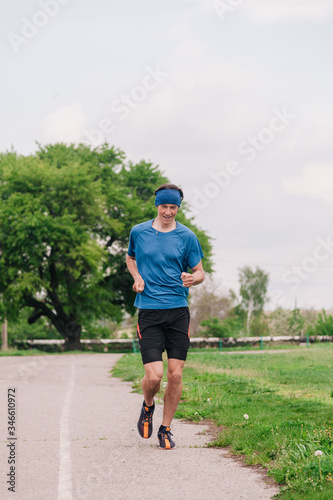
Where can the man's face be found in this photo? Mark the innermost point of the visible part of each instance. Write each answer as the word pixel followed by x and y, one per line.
pixel 167 213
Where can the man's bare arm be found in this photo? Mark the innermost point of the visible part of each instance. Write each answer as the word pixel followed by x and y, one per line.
pixel 139 283
pixel 195 278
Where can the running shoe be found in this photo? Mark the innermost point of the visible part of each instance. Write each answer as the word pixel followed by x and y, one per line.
pixel 164 437
pixel 145 423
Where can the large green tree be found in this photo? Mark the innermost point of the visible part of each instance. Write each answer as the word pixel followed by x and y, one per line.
pixel 65 217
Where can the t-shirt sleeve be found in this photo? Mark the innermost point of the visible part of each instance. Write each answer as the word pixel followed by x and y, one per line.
pixel 195 253
pixel 131 246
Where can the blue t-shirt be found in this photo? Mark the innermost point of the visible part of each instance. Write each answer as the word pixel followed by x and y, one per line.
pixel 161 258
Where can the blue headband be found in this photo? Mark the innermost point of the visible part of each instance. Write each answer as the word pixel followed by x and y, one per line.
pixel 168 197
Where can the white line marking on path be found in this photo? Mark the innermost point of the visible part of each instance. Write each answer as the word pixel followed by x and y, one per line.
pixel 65 466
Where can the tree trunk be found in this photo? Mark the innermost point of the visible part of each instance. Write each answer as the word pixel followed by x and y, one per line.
pixel 249 313
pixel 73 344
pixel 70 330
pixel 72 336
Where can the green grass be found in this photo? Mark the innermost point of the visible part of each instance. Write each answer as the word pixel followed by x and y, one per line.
pixel 288 398
pixel 38 352
pixel 267 347
pixel 18 352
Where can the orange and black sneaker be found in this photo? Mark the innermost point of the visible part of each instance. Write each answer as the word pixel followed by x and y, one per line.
pixel 145 423
pixel 164 437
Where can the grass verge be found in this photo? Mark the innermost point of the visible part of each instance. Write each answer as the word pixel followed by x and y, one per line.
pixel 18 352
pixel 288 398
pixel 39 352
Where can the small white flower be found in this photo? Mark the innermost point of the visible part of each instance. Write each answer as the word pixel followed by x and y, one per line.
pixel 196 413
pixel 246 416
pixel 318 453
pixel 208 399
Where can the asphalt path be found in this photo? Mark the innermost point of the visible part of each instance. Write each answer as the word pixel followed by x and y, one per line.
pixel 75 438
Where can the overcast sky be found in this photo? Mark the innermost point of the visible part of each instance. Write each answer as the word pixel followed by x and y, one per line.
pixel 232 99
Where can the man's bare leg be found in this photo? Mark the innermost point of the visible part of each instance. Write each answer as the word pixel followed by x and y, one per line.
pixel 173 390
pixel 151 382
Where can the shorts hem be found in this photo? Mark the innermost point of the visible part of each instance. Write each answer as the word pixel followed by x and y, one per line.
pixel 180 354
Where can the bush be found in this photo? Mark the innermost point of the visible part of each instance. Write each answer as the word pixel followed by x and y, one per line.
pixel 229 327
pixel 323 325
pixel 259 326
pixel 22 330
pixel 279 322
pixel 208 301
pixel 290 322
pixel 96 331
pixel 296 322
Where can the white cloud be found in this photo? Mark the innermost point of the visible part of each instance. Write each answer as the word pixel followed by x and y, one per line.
pixel 316 182
pixel 264 10
pixel 317 124
pixel 66 124
pixel 200 103
pixel 290 9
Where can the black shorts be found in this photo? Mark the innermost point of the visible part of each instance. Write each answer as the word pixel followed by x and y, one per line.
pixel 163 329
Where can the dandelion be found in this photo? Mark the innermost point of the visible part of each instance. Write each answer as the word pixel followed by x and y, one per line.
pixel 246 416
pixel 319 454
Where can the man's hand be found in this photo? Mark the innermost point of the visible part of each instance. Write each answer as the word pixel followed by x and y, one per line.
pixel 188 279
pixel 139 285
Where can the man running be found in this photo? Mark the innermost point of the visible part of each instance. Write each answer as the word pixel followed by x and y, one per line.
pixel 160 253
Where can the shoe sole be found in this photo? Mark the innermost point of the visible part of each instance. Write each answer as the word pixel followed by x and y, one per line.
pixel 167 447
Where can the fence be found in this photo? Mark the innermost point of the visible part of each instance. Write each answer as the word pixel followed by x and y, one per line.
pixel 131 345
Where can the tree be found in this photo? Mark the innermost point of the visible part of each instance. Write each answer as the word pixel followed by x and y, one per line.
pixel 208 301
pixel 65 218
pixel 296 321
pixel 253 291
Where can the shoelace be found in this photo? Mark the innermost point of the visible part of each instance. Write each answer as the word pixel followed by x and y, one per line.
pixel 148 415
